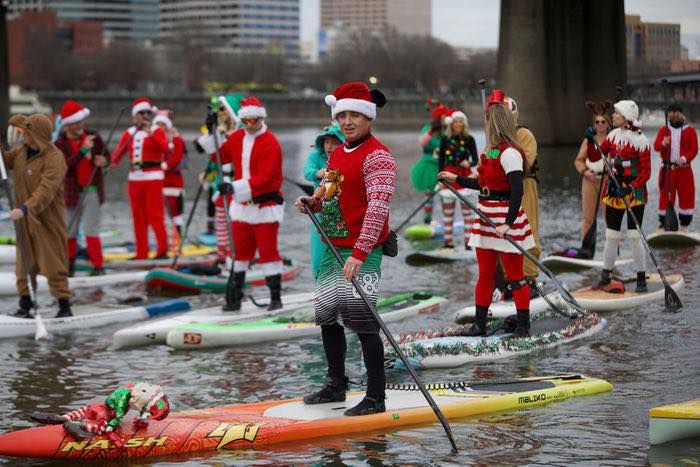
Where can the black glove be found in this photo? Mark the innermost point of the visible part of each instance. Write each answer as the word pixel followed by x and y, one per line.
pixel 589 134
pixel 226 189
pixel 625 190
pixel 211 121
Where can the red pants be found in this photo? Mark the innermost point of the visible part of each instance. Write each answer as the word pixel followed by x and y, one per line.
pixel 261 237
pixel 94 248
pixel 513 265
pixel 683 184
pixel 147 209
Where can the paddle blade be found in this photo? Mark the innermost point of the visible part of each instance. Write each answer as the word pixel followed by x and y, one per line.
pixel 588 242
pixel 673 302
pixel 41 332
pixel 671 220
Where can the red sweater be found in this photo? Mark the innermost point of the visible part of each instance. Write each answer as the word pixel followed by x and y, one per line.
pixel 369 175
pixel 631 156
pixel 684 143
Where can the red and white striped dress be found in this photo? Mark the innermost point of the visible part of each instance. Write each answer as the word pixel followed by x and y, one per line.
pixel 493 170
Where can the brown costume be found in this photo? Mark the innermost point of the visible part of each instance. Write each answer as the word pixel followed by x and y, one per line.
pixel 38 185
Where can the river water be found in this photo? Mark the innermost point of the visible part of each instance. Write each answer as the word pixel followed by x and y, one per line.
pixel 651 357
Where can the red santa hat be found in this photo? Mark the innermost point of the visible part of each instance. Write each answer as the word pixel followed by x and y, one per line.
pixel 630 111
pixel 355 97
pixel 455 114
pixel 141 104
pixel 251 108
pixel 163 116
pixel 72 112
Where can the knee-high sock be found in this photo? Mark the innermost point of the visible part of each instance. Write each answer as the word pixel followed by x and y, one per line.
pixel 638 253
pixel 612 238
pixel 373 354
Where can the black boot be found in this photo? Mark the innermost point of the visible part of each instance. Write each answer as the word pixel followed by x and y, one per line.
pixel 47 418
pixel 333 391
pixel 275 285
pixel 605 278
pixel 64 310
pixel 534 292
pixel 97 272
pixel 25 305
pixel 367 406
pixel 523 328
pixel 71 267
pixel 641 282
pixel 234 291
pixel 479 326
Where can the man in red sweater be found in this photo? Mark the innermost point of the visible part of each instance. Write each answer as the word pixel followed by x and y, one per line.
pixel 354 202
pixel 677 144
pixel 147 145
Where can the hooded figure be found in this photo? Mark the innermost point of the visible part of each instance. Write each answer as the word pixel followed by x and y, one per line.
pixel 314 171
pixel 39 170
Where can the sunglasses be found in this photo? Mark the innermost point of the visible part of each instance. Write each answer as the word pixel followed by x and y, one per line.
pixel 145 112
pixel 249 121
pixel 601 122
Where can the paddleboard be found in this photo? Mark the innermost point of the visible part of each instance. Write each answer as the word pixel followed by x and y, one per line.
pixel 434 230
pixel 226 334
pixel 290 421
pixel 87 316
pixel 154 332
pixel 504 308
pixel 8 249
pixel 564 263
pixel 674 239
pixel 675 421
pixel 442 255
pixel 191 255
pixel 8 281
pixel 446 348
pixel 207 239
pixel 184 281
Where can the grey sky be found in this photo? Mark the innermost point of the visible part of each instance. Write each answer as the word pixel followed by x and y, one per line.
pixel 474 23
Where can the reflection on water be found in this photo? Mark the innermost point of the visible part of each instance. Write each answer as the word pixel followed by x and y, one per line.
pixel 650 356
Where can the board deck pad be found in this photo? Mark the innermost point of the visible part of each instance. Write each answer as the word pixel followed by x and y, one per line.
pixel 654 285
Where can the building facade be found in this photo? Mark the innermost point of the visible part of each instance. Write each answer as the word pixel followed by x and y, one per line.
pixel 651 47
pixel 404 16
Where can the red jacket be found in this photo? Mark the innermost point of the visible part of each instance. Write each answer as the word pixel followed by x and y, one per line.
pixel 71 149
pixel 142 147
pixel 173 174
pixel 684 143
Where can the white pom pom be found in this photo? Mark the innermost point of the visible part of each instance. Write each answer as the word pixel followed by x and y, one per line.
pixel 637 123
pixel 331 100
pixel 448 121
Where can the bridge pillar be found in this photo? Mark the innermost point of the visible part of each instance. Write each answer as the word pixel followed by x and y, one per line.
pixel 554 55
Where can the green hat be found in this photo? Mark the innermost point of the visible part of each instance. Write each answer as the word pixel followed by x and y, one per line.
pixel 232 103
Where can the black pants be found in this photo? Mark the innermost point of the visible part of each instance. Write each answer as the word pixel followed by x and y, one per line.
pixel 335 345
pixel 613 217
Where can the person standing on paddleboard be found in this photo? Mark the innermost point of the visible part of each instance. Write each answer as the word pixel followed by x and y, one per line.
pixel 501 171
pixel 314 171
pixel 677 144
pixel 39 170
pixel 84 151
pixel 146 145
pixel 424 172
pixel 354 206
pixel 258 207
pixel 629 153
pixel 457 154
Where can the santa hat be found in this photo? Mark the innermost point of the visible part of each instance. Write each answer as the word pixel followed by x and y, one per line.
pixel 164 119
pixel 251 108
pixel 141 104
pixel 232 104
pixel 355 97
pixel 72 112
pixel 455 114
pixel 630 111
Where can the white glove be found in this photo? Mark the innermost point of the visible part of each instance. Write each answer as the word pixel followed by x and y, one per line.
pixel 164 165
pixel 14 136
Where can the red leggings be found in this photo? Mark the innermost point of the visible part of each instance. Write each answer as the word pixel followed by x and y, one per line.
pixel 513 265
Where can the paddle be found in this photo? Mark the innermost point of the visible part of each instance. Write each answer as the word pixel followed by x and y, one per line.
pixel 670 219
pixel 415 211
pixel 41 332
pixel 482 84
pixel 565 295
pixel 384 329
pixel 183 237
pixel 671 299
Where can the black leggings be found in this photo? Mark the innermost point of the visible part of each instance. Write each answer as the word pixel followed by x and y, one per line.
pixel 335 346
pixel 613 217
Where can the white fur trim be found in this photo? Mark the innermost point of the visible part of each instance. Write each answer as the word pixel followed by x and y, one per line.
pixel 240 266
pixel 366 108
pixel 172 191
pixel 254 214
pixel 457 114
pixel 146 175
pixel 207 143
pixel 272 268
pixel 163 119
pixel 76 117
pixel 597 166
pixel 252 111
pixel 241 190
pixel 627 109
pixel 634 139
pixel 140 107
pixel 686 212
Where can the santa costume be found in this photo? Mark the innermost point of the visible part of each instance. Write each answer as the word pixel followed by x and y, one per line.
pixel 174 182
pixel 147 146
pixel 629 153
pixel 258 207
pixel 675 175
pixel 79 160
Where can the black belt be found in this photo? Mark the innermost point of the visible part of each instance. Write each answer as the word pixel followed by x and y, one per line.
pixel 145 165
pixel 271 196
pixel 493 195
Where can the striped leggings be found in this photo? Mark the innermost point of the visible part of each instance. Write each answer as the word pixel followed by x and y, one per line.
pixel 448 213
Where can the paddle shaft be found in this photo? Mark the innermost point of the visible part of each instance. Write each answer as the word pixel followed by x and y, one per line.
pixel 415 211
pixel 482 84
pixel 385 330
pixel 178 253
pixel 669 290
pixel 560 287
pixel 40 328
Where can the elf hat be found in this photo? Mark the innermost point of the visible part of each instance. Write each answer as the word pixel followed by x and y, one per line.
pixel 456 114
pixel 251 108
pixel 141 104
pixel 72 112
pixel 355 97
pixel 232 104
pixel 630 111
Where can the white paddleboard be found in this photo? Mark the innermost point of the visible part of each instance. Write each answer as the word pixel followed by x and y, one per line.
pixel 674 239
pixel 443 254
pixel 563 262
pixel 504 308
pixel 8 281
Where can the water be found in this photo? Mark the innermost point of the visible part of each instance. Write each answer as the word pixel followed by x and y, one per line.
pixel 650 356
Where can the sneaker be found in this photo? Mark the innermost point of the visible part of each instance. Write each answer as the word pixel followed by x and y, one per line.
pixel 367 406
pixel 333 391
